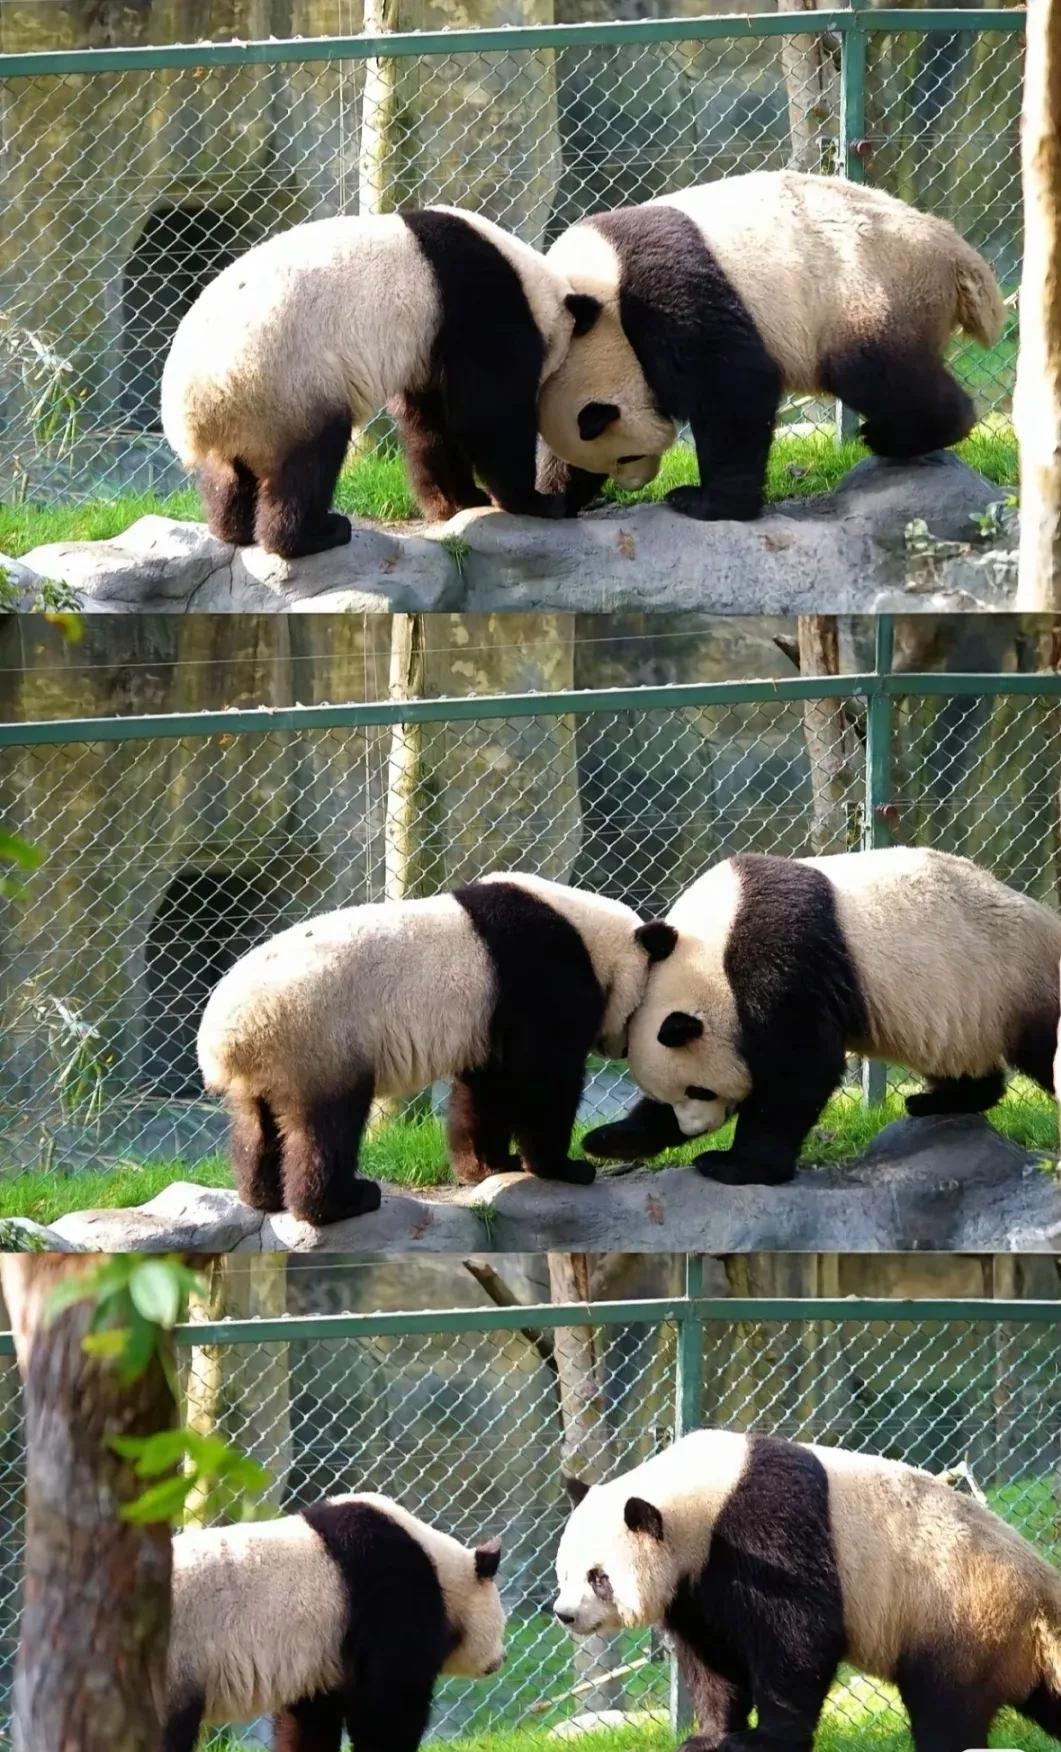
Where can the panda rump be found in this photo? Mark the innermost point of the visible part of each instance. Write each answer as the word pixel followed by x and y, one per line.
pixel 769 1562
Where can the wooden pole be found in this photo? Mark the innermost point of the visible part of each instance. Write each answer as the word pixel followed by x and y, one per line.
pixel 1037 405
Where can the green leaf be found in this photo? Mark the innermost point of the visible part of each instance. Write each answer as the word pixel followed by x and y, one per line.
pixel 140 1346
pixel 153 1454
pixel 15 850
pixel 106 1345
pixel 156 1292
pixel 161 1502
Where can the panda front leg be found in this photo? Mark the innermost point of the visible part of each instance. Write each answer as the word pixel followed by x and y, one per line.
pixel 441 474
pixel 321 1144
pixel 720 1706
pixel 647 1130
pixel 545 1107
pixel 732 422
pixel 774 1121
pixel 315 1724
pixel 479 1129
pixel 494 416
pixel 256 1152
pixel 180 1729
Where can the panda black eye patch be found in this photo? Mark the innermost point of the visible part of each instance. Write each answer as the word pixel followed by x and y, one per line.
pixel 695 1093
pixel 600 1584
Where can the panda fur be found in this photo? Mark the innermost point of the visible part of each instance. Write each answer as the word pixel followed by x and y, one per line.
pixel 767 970
pixel 345 1614
pixel 310 333
pixel 731 294
pixel 504 986
pixel 769 1563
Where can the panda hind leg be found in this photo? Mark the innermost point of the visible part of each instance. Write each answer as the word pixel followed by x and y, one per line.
pixel 321 1144
pixel 958 1095
pixel 944 1716
pixel 180 1730
pixel 314 1724
pixel 229 490
pixel 910 403
pixel 256 1151
pixel 294 516
pixel 441 474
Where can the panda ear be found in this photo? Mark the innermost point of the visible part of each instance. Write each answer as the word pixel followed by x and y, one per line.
pixel 487 1559
pixel 595 418
pixel 678 1029
pixel 657 939
pixel 576 1489
pixel 585 310
pixel 642 1517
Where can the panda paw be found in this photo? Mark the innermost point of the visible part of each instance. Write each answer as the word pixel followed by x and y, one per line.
pixel 571 1172
pixel 707 507
pixel 730 1169
pixel 358 1200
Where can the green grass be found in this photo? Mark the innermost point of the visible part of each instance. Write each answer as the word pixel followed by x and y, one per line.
pixel 375 486
pixel 412 1153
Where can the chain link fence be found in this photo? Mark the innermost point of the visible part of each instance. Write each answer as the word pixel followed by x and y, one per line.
pixel 174 843
pixel 132 176
pixel 471 1418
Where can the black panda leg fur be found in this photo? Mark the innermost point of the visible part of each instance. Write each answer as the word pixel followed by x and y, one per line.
pixel 576 486
pixel 545 1107
pixel 910 402
pixel 720 1706
pixel 732 447
pixel 1034 1052
pixel 321 1144
pixel 180 1730
pixel 479 1129
pixel 494 417
pixel 256 1150
pixel 944 1716
pixel 958 1095
pixel 648 1129
pixel 294 516
pixel 229 490
pixel 315 1724
pixel 773 1122
pixel 440 473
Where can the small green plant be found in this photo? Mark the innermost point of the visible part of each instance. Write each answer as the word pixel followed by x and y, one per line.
pixel 458 547
pixel 52 396
pixel 16 851
pixel 80 1055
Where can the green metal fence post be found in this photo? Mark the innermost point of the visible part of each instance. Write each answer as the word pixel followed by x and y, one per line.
pixel 853 57
pixel 687 1412
pixel 875 827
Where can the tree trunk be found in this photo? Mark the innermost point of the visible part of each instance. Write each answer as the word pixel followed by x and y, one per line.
pixel 805 86
pixel 584 1449
pixel 204 1380
pixel 379 158
pixel 826 736
pixel 1037 404
pixel 405 760
pixel 95 1618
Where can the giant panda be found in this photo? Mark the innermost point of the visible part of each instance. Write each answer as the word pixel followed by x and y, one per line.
pixel 307 335
pixel 735 292
pixel 504 985
pixel 767 970
pixel 769 1563
pixel 345 1614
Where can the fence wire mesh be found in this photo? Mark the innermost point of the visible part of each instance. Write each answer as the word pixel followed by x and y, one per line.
pixel 473 1430
pixel 126 186
pixel 168 855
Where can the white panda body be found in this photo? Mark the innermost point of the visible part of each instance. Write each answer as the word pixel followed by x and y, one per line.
pixel 269 1616
pixel 720 298
pixel 316 329
pixel 775 968
pixel 503 986
pixel 782 1559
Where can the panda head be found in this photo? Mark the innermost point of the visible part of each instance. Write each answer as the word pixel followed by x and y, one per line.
pixel 615 1567
pixel 683 1041
pixel 474 1607
pixel 597 411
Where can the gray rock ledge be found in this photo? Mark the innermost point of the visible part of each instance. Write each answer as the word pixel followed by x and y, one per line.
pixel 845 552
pixel 939 1185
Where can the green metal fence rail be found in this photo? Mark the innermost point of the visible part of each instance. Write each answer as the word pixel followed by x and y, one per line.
pixel 466 1417
pixel 132 175
pixel 173 843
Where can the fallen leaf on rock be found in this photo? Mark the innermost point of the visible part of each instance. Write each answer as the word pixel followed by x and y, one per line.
pixel 627 545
